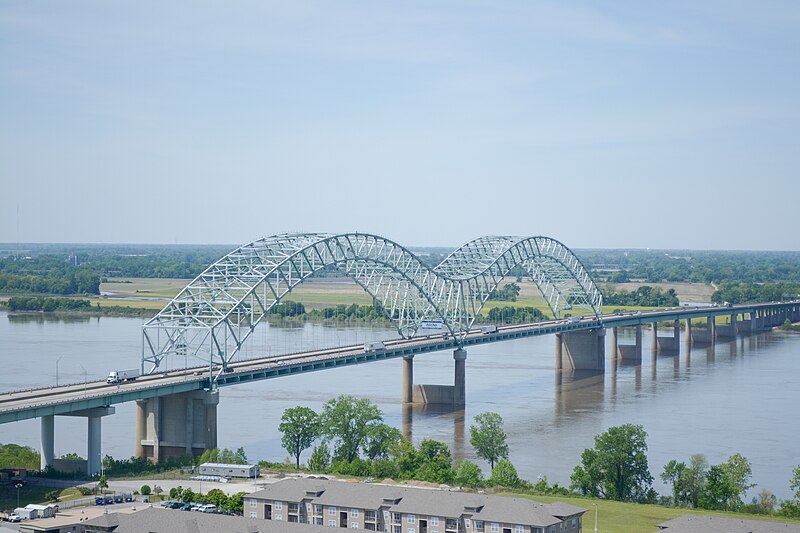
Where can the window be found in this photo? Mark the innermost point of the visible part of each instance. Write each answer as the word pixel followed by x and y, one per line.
pixel 386 515
pixel 354 513
pixel 495 527
pixel 253 503
pixel 467 523
pixel 397 517
pixel 332 511
pixel 451 524
pixel 294 519
pixel 309 507
pixel 353 525
pixel 411 519
pixel 574 523
pixel 411 530
pixel 332 523
pixel 278 505
pixel 278 517
pixel 294 508
pixel 434 520
pixel 253 514
pixel 318 520
pixel 397 529
pixel 479 525
pixel 370 515
pixel 519 529
pixel 318 509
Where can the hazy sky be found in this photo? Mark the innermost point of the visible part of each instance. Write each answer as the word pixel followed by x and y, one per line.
pixel 602 124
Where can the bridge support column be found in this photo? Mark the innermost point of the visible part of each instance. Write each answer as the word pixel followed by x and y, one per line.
pixel 688 332
pixel 585 350
pixel 676 328
pixel 614 349
pixel 176 425
pixel 47 440
pixel 559 351
pixel 94 452
pixel 631 354
pixel 408 379
pixel 460 381
pixel 654 340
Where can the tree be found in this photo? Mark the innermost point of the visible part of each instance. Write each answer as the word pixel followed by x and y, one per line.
pixel 794 483
pixel 380 440
pixel 504 474
pixel 217 497
pixel 488 438
pixel 348 421
pixel 175 493
pixel 157 489
pixel 320 458
pixel 188 495
pixel 299 427
pixel 468 474
pixel 145 490
pixel 235 502
pixel 674 472
pixel 738 471
pixel 102 482
pixel 616 468
pixel 436 463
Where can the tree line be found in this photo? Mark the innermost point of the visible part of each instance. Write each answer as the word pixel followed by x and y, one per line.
pixel 644 296
pixel 748 292
pixel 34 303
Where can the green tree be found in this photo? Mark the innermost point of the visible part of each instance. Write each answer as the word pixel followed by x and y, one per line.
pixel 468 474
pixel 235 502
pixel 673 474
pixel 102 482
pixel 188 495
pixel 616 468
pixel 504 474
pixel 348 421
pixel 380 440
pixel 16 456
pixel 175 493
pixel 320 458
pixel 72 456
pixel 436 463
pixel 299 428
pixel 794 483
pixel 406 457
pixel 218 498
pixel 145 490
pixel 739 471
pixel 488 438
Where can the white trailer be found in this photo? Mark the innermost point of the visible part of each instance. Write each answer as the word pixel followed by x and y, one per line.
pixel 489 329
pixel 374 346
pixel 118 376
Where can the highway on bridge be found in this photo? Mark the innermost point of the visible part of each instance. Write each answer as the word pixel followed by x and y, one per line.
pixel 63 400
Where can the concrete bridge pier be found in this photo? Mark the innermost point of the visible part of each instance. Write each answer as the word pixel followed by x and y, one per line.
pixel 666 344
pixel 176 425
pixel 94 437
pixel 47 441
pixel 727 331
pixel 627 353
pixel 705 335
pixel 408 379
pixel 688 332
pixel 454 395
pixel 654 339
pixel 581 350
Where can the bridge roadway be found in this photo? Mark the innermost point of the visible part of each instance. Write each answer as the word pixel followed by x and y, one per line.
pixel 77 398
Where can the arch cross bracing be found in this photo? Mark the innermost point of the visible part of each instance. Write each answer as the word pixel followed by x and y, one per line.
pixel 216 312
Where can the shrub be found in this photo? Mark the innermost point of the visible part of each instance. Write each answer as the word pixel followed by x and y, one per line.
pixel 145 490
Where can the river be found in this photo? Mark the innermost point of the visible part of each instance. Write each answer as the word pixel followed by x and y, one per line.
pixel 743 396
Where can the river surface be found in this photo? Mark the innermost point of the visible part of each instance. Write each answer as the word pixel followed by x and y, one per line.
pixel 743 396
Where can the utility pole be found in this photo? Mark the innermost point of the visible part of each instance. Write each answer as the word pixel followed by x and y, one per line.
pixel 595 517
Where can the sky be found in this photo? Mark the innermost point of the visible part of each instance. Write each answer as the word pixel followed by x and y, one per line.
pixel 602 124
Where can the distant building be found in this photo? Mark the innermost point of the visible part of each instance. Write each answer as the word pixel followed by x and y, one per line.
pixel 229 470
pixel 32 510
pixel 400 509
pixel 690 523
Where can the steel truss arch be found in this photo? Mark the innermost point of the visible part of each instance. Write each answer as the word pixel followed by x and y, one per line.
pixel 217 311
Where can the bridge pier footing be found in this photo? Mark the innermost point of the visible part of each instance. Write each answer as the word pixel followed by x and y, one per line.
pixel 581 350
pixel 176 425
pixel 454 395
pixel 408 379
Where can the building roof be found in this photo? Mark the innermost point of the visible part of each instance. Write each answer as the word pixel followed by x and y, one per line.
pixel 421 501
pixel 690 523
pixel 158 520
pixel 226 465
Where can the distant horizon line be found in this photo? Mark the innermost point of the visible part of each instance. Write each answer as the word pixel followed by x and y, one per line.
pixel 11 245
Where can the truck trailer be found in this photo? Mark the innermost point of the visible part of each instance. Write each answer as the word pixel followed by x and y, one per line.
pixel 118 376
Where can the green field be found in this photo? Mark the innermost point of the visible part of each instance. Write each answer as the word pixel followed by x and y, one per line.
pixel 619 517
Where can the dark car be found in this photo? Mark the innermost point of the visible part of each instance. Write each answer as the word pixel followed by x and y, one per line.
pixel 118 498
pixel 128 498
pixel 99 500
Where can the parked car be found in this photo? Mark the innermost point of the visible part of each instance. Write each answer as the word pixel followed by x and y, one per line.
pixel 14 517
pixel 118 498
pixel 208 508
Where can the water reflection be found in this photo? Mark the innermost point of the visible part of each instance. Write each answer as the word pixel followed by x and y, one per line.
pixel 41 318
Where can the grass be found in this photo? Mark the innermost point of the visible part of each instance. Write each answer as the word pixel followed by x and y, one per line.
pixel 35 494
pixel 620 517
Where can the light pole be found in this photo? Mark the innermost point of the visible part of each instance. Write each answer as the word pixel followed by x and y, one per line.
pixel 595 517
pixel 84 379
pixel 19 486
pixel 57 360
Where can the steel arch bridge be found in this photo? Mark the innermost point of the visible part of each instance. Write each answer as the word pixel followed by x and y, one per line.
pixel 213 315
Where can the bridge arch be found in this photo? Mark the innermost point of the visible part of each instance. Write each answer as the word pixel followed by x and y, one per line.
pixel 217 311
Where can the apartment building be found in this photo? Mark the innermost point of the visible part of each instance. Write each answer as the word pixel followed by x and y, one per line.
pixel 395 509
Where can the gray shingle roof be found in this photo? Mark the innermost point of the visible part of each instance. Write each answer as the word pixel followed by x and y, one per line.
pixel 157 520
pixel 419 501
pixel 689 523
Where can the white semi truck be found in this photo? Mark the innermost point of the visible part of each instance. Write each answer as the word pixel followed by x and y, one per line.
pixel 118 376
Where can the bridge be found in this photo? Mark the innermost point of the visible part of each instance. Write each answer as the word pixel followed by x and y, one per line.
pixel 213 316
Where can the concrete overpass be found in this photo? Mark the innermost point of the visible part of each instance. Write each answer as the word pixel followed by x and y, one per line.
pixel 176 410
